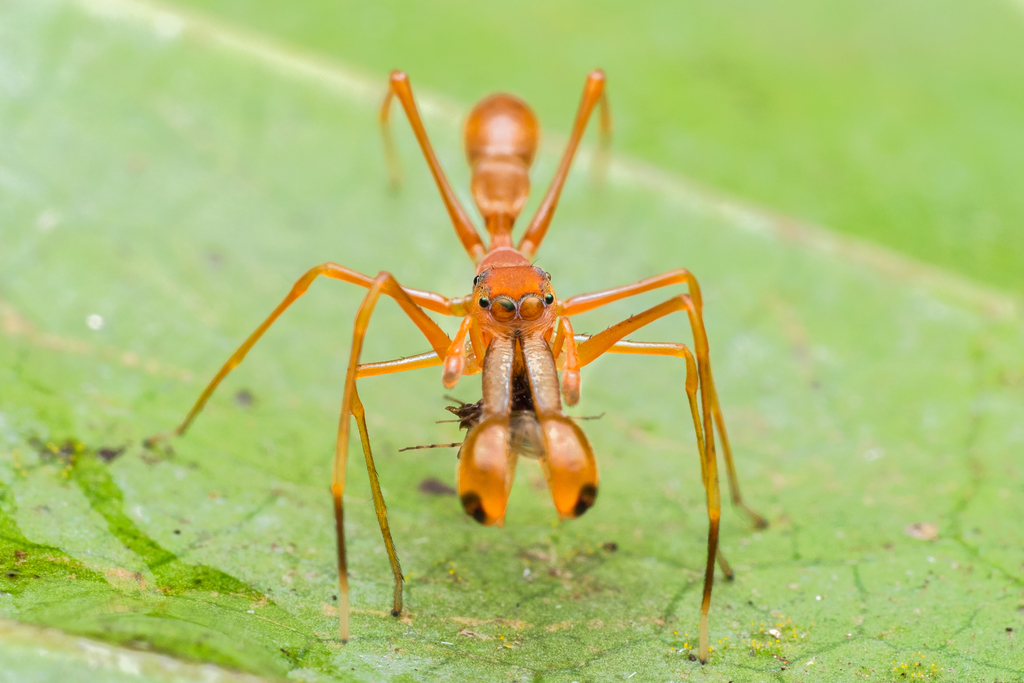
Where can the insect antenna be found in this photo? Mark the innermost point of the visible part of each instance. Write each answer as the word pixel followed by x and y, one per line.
pixel 433 445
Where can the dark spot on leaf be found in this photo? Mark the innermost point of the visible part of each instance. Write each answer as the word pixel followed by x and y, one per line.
pixel 436 487
pixel 692 657
pixel 610 546
pixel 177 531
pixel 108 454
pixel 1009 629
pixel 66 452
pixel 244 398
pixel 12 575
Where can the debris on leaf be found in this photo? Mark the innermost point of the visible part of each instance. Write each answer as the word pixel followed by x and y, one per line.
pixel 922 531
pixel 473 634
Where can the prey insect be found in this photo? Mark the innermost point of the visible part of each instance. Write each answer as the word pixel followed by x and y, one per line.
pixel 515 331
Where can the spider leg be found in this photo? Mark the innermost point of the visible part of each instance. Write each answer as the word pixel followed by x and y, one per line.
pixel 593 93
pixel 675 350
pixel 351 405
pixel 412 302
pixel 398 86
pixel 602 342
pixel 586 302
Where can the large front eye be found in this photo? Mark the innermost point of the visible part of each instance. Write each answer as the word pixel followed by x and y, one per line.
pixel 549 299
pixel 503 309
pixel 530 308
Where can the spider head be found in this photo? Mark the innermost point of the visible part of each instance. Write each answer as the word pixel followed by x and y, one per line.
pixel 514 294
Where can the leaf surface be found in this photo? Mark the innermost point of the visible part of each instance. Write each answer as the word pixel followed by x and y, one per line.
pixel 173 184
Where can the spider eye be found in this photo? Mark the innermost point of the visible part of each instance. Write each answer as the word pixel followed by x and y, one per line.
pixel 549 299
pixel 484 302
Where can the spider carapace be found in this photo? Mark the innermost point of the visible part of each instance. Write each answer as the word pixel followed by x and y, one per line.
pixel 518 333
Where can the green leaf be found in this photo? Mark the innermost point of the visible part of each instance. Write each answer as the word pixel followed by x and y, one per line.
pixel 893 120
pixel 164 179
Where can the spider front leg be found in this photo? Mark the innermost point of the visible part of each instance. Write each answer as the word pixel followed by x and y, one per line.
pixel 398 86
pixel 593 94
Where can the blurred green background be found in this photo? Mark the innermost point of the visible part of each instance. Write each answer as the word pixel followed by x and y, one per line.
pixel 167 171
pixel 898 121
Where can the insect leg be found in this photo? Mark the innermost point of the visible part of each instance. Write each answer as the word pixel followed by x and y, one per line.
pixel 593 91
pixel 398 86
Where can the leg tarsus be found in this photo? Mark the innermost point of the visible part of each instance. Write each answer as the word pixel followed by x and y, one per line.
pixel 394 164
pixel 723 564
pixel 757 520
pixel 339 525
